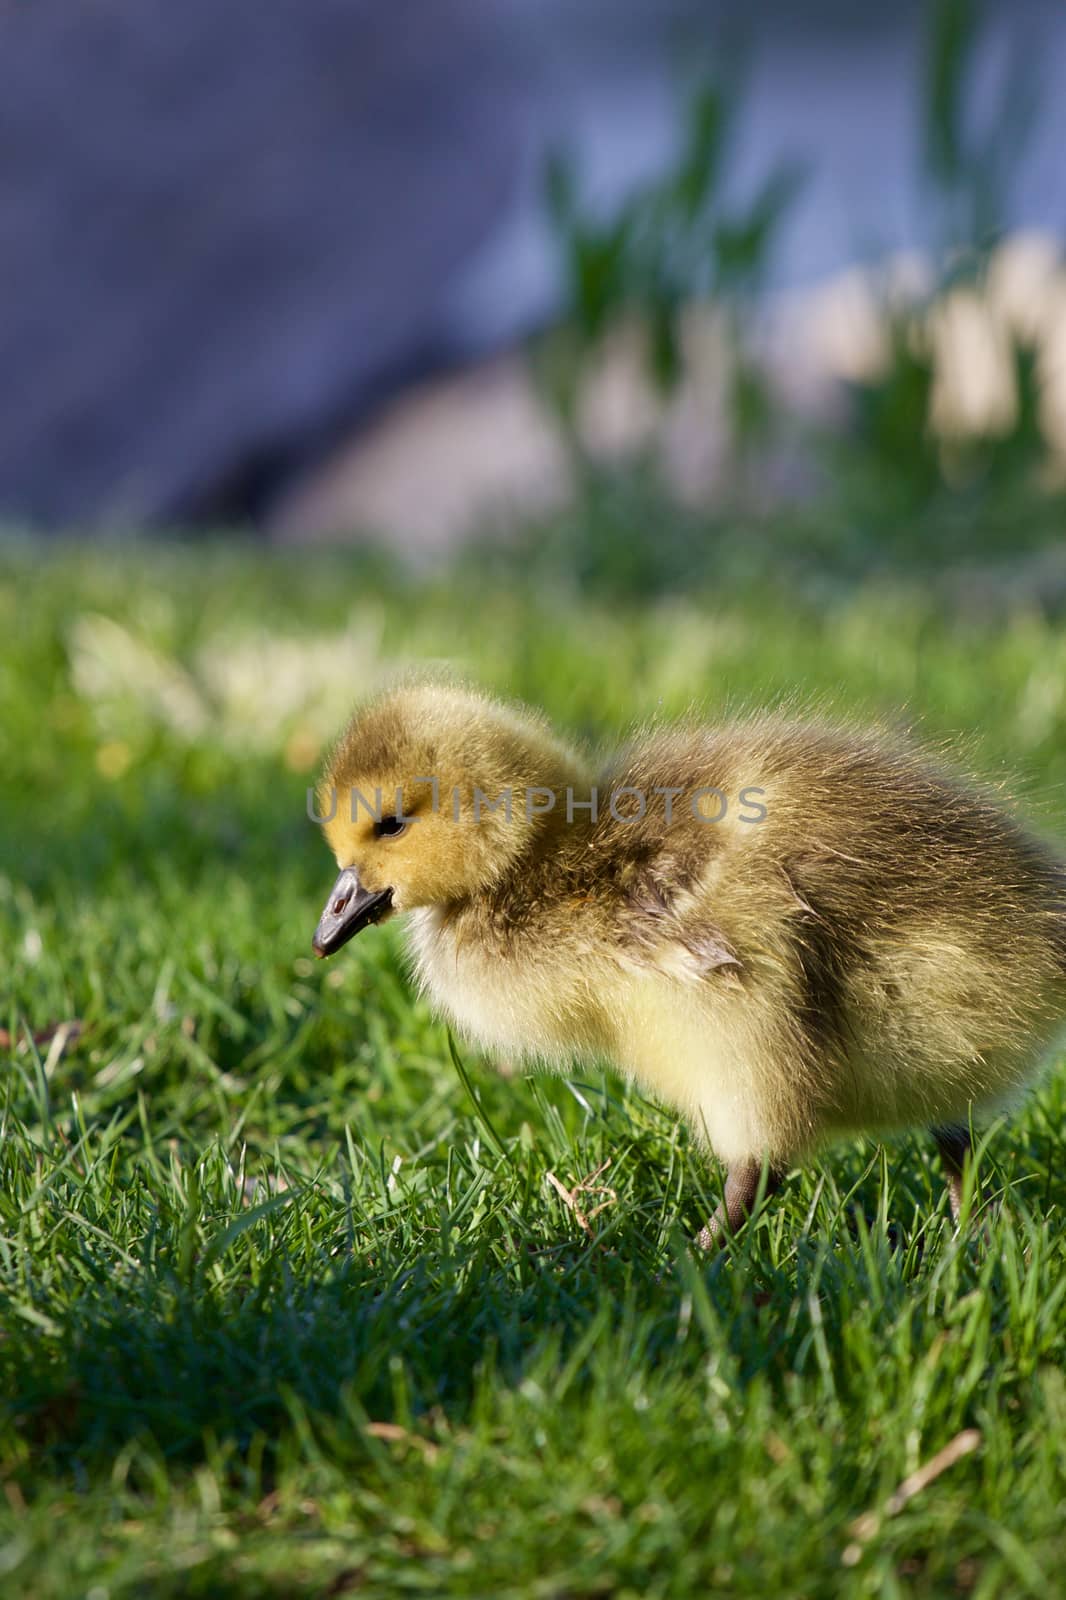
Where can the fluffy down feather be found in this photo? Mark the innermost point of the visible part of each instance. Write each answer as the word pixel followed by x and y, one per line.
pixel 789 930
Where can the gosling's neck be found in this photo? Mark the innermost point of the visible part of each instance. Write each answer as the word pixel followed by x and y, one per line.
pixel 560 813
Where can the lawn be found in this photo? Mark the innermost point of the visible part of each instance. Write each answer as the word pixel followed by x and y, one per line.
pixel 294 1302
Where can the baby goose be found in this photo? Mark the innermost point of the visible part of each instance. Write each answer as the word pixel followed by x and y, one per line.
pixel 789 931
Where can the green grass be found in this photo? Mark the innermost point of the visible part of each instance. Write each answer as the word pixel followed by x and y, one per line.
pixel 285 1311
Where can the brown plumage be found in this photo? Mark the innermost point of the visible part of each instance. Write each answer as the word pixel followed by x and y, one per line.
pixel 789 931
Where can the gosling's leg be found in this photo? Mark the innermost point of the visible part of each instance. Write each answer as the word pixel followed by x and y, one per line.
pixel 741 1193
pixel 953 1143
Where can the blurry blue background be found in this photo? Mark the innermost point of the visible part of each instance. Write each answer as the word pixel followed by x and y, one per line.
pixel 231 237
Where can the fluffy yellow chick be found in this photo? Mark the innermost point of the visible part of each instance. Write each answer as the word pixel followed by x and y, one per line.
pixel 791 932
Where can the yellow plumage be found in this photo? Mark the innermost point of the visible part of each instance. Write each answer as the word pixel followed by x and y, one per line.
pixel 787 930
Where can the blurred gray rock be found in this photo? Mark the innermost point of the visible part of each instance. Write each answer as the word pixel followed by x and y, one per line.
pixel 231 233
pixel 224 230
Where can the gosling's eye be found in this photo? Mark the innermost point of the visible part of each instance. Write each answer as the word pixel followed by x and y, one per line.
pixel 389 827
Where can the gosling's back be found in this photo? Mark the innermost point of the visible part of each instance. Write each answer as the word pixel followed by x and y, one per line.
pixel 868 944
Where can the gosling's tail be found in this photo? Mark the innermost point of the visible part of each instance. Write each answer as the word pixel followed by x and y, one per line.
pixel 1058 932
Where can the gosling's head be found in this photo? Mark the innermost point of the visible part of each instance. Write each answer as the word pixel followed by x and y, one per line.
pixel 416 800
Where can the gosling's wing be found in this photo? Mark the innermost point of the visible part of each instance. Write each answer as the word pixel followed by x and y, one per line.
pixel 666 926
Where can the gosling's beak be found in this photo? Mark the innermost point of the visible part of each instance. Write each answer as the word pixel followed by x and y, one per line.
pixel 348 909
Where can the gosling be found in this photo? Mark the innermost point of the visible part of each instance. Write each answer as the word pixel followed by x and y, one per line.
pixel 789 931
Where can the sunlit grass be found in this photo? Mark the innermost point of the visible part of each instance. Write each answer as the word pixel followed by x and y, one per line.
pixel 282 1311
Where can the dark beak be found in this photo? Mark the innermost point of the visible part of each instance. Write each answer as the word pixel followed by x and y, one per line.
pixel 348 909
